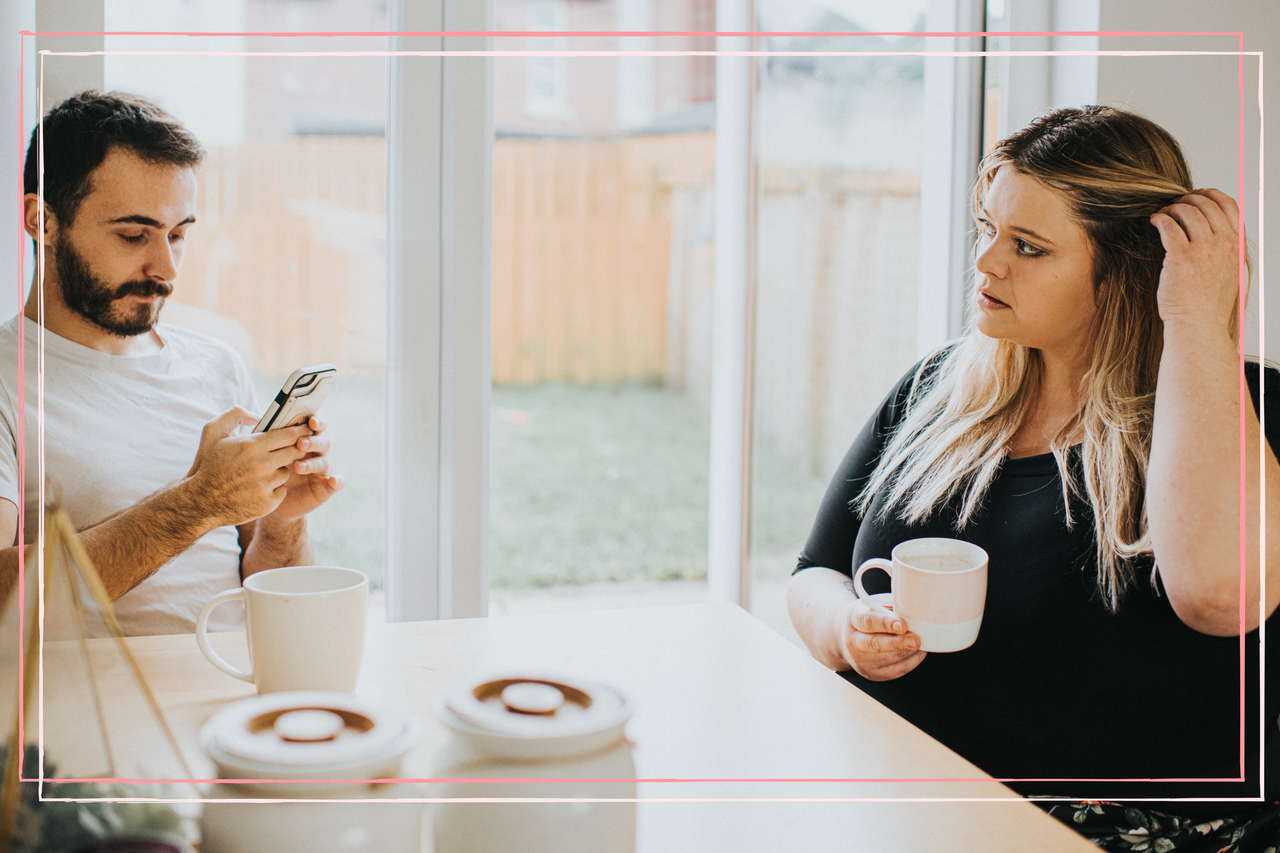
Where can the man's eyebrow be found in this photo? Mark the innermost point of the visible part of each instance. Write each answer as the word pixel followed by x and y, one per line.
pixel 139 219
pixel 1033 235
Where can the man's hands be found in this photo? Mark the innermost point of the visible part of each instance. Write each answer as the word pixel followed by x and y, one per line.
pixel 264 483
pixel 239 478
pixel 311 478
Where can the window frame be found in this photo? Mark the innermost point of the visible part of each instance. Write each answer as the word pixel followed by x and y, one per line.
pixel 439 206
pixel 953 98
pixel 439 219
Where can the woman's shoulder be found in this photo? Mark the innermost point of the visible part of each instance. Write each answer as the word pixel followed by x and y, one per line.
pixel 922 374
pixel 911 387
pixel 1263 378
pixel 1260 376
pixel 1256 368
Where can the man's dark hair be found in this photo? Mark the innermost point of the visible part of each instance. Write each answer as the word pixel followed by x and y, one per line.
pixel 82 129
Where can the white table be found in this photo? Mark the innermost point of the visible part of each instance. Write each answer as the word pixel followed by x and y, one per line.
pixel 726 711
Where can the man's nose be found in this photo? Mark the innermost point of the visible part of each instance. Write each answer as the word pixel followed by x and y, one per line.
pixel 163 260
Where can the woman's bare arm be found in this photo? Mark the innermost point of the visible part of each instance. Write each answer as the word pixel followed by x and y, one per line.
pixel 843 633
pixel 1194 495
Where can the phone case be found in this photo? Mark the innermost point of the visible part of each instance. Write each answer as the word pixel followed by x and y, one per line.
pixel 300 397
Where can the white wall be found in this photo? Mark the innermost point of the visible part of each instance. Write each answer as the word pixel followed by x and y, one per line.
pixel 1196 98
pixel 205 93
pixel 68 75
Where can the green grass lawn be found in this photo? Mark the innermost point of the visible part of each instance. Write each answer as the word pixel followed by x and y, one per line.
pixel 587 483
pixel 609 482
pixel 596 483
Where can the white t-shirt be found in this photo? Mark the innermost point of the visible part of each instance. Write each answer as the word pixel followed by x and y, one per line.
pixel 117 429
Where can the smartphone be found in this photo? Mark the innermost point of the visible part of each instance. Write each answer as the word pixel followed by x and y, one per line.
pixel 299 398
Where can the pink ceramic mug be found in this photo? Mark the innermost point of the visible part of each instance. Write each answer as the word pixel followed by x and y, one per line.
pixel 939 589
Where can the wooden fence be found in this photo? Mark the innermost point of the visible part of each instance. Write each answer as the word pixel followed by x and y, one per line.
pixel 291 243
pixel 581 241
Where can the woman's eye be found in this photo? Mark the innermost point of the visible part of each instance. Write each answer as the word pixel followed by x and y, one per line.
pixel 1025 248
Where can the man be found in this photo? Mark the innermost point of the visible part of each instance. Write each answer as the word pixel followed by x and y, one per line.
pixel 129 404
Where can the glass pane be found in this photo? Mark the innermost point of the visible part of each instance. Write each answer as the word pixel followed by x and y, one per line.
pixel 602 247
pixel 838 148
pixel 991 65
pixel 287 259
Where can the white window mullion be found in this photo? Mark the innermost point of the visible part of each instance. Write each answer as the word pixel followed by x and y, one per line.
pixel 438 211
pixel 1030 84
pixel 727 578
pixel 413 319
pixel 467 375
pixel 950 153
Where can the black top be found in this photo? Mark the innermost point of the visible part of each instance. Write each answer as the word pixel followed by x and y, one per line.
pixel 1056 687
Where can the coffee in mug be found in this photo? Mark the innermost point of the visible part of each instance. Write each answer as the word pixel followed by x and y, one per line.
pixel 305 628
pixel 939 590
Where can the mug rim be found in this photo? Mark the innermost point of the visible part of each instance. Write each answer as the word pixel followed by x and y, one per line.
pixel 974 551
pixel 250 585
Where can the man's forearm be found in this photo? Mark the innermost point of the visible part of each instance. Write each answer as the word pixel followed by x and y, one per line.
pixel 131 546
pixel 276 543
pixel 9 569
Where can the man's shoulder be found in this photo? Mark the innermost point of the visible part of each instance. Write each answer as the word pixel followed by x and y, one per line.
pixel 218 361
pixel 11 335
pixel 189 344
pixel 12 330
pixel 11 350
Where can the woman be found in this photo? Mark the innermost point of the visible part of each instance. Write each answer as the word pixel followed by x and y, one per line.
pixel 1087 434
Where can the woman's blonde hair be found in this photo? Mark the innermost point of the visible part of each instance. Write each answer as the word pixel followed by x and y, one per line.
pixel 1114 169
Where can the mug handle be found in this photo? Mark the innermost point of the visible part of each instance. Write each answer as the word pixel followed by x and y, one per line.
pixel 202 636
pixel 873 563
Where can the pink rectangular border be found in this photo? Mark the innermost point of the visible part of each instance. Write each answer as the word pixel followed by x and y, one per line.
pixel 1244 399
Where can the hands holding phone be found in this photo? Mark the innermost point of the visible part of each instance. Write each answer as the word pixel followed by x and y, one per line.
pixel 240 478
pixel 281 469
pixel 311 479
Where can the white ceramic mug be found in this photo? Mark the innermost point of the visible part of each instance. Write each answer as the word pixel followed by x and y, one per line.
pixel 939 590
pixel 305 628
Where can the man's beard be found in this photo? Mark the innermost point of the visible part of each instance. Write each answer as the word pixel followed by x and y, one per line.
pixel 95 300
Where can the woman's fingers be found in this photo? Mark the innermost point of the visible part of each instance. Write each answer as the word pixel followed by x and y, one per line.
pixel 1171 234
pixel 1221 209
pixel 894 645
pixel 1205 213
pixel 878 645
pixel 877 621
pixel 1190 218
pixel 896 668
pixel 879 657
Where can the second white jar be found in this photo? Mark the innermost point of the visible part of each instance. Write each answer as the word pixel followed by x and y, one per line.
pixel 524 730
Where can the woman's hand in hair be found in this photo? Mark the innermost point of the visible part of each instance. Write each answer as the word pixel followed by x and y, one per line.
pixel 1209 460
pixel 1200 279
pixel 875 643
